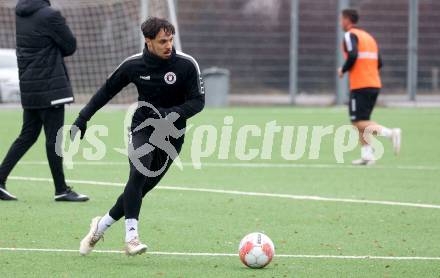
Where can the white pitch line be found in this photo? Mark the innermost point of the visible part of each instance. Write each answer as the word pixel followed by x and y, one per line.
pixel 302 165
pixel 367 257
pixel 245 193
pixel 259 165
pixel 203 254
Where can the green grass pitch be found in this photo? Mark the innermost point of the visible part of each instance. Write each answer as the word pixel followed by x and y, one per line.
pixel 207 222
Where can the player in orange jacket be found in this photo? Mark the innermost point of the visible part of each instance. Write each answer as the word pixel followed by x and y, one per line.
pixel 363 63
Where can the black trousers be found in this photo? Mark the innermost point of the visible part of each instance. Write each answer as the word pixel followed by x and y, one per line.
pixel 139 184
pixel 52 119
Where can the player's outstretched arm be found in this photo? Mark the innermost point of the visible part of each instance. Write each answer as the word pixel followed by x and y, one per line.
pixel 113 85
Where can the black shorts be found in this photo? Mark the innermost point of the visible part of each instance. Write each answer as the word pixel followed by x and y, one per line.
pixel 361 103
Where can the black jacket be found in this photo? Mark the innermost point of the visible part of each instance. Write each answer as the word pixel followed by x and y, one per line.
pixel 43 40
pixel 172 85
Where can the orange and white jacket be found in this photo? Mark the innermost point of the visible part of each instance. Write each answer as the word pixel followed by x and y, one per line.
pixel 362 59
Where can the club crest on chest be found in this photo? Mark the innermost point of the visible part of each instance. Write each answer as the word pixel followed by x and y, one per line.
pixel 170 78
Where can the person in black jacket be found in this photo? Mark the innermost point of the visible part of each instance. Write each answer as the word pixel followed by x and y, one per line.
pixel 170 92
pixel 43 40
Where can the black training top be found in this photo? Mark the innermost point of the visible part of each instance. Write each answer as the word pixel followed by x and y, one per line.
pixel 171 85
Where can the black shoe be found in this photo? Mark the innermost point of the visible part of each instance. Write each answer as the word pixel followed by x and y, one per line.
pixel 70 196
pixel 5 195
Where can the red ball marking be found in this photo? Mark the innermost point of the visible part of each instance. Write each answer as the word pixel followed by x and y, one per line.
pixel 267 249
pixel 247 247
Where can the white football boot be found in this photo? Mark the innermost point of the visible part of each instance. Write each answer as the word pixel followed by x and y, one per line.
pixel 135 247
pixel 396 138
pixel 363 161
pixel 367 157
pixel 89 241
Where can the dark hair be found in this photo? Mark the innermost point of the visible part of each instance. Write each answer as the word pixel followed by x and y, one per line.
pixel 351 14
pixel 152 26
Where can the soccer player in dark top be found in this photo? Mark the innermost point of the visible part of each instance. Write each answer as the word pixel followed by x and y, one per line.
pixel 170 91
pixel 363 63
